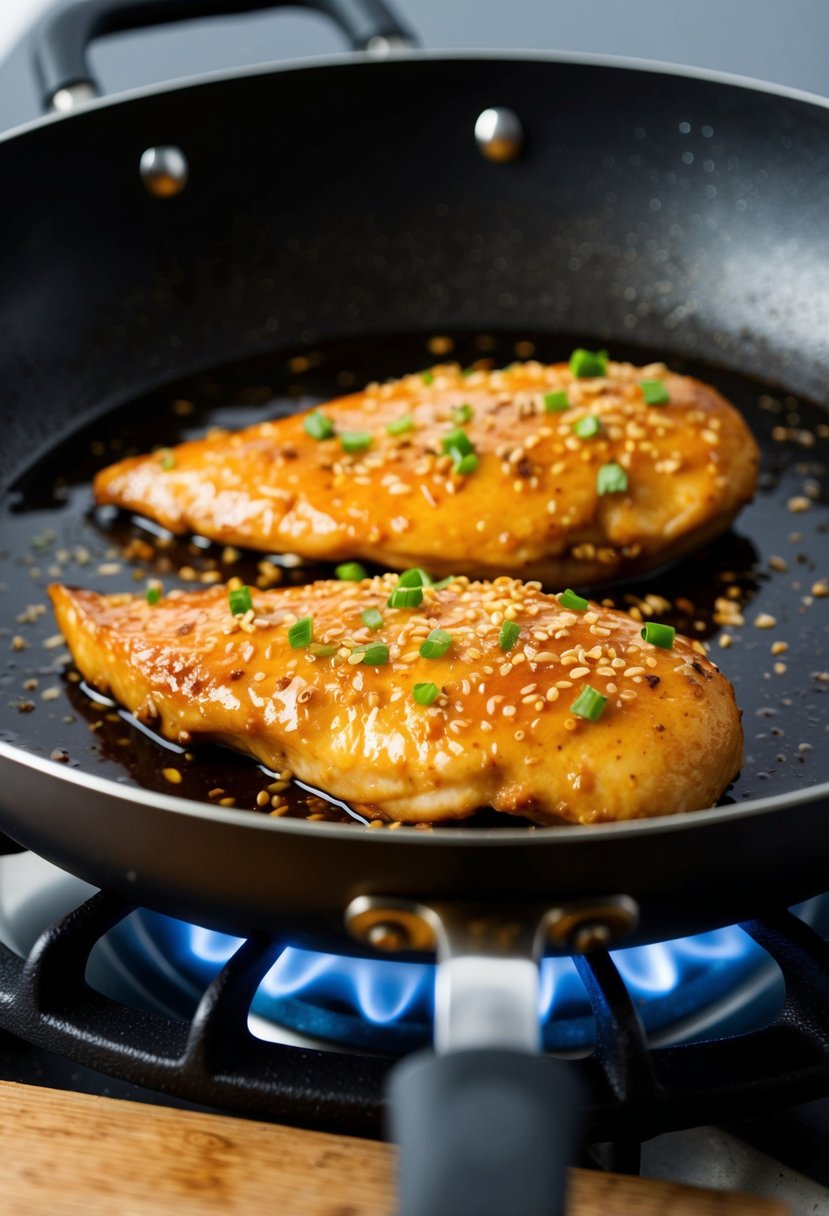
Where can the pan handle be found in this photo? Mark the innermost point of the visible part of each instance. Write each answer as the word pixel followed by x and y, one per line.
pixel 484 1133
pixel 63 37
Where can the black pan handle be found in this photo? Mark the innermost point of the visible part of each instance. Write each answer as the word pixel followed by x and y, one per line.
pixel 63 37
pixel 484 1132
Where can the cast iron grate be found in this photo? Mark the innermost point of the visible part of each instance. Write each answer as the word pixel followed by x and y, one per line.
pixel 636 1091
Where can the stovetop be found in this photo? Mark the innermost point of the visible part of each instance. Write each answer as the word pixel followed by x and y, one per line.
pixel 777 1156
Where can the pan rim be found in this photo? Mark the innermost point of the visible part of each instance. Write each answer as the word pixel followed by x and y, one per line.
pixel 577 834
pixel 463 55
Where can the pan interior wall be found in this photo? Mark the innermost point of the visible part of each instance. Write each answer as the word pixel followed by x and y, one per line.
pixel 351 200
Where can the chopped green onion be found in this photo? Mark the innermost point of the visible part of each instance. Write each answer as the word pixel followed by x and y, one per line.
pixel 317 425
pixel 375 655
pixel 587 427
pixel 659 635
pixel 301 632
pixel 168 460
pixel 240 601
pixel 444 582
pixel 351 572
pixel 462 414
pixel 153 593
pixel 467 371
pixel 355 441
pixel 321 652
pixel 569 599
pixel 655 392
pixel 588 363
pixel 436 644
pixel 427 377
pixel 457 441
pixel 416 577
pixel 508 635
pixel 405 597
pixel 589 704
pixel 611 479
pixel 464 464
pixel 554 403
pixel 399 426
pixel 409 590
pixel 425 694
pixel 371 618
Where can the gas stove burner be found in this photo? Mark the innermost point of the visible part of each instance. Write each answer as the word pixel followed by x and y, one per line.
pixel 681 988
pixel 719 982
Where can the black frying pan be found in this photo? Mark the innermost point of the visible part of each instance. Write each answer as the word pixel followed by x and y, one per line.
pixel 343 212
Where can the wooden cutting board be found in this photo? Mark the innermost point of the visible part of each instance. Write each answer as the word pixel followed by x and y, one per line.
pixel 66 1154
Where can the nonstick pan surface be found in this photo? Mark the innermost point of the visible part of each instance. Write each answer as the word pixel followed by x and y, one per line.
pixel 602 229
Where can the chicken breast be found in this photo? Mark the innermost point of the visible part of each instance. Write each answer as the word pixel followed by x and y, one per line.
pixel 468 695
pixel 533 471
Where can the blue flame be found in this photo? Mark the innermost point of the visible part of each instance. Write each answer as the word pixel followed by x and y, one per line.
pixel 667 981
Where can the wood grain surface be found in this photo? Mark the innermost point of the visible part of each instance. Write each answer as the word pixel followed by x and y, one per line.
pixel 67 1154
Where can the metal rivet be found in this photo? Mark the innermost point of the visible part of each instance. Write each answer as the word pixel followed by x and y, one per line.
pixel 391 924
pixel 590 937
pixel 72 96
pixel 164 170
pixel 383 45
pixel 387 936
pixel 499 134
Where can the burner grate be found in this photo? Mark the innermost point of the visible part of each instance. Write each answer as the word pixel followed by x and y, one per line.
pixel 637 1091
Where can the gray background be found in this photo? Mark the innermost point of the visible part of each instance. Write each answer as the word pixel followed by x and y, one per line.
pixel 786 41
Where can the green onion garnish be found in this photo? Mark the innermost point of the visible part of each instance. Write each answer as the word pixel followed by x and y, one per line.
pixel 444 582
pixel 371 618
pixel 425 694
pixel 611 479
pixel 405 597
pixel 588 363
pixel 569 599
pixel 351 572
pixel 464 464
pixel 301 632
pixel 321 652
pixel 508 635
pixel 655 392
pixel 399 426
pixel 317 425
pixel 153 593
pixel 355 441
pixel 409 590
pixel 659 635
pixel 457 441
pixel 416 577
pixel 375 655
pixel 240 601
pixel 436 644
pixel 587 427
pixel 427 377
pixel 462 414
pixel 554 403
pixel 589 704
pixel 168 460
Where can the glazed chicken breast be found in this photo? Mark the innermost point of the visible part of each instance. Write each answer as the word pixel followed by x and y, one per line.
pixel 545 472
pixel 424 703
